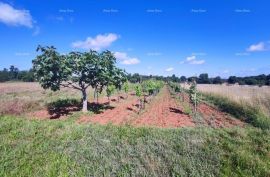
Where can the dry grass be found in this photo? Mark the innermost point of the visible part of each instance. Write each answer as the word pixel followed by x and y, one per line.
pixel 18 98
pixel 252 95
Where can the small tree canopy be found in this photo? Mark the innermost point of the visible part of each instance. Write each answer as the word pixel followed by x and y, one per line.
pixel 77 70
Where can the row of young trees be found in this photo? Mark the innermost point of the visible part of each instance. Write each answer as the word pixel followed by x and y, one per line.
pixel 147 88
pixel 192 92
pixel 77 70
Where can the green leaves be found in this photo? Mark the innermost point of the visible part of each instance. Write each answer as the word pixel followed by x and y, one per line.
pixel 126 87
pixel 193 95
pixel 110 90
pixel 151 86
pixel 176 87
pixel 77 70
pixel 82 69
pixel 138 90
pixel 49 68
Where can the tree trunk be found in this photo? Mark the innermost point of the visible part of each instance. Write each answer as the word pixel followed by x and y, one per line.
pixel 97 97
pixel 84 101
pixel 118 97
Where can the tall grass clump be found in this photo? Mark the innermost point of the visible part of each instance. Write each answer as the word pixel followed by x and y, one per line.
pixel 242 110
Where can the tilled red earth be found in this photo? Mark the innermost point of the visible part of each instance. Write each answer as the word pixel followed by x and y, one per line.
pixel 214 118
pixel 120 113
pixel 163 111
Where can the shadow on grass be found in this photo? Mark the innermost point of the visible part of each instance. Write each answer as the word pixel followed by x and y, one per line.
pixel 64 107
pixel 98 108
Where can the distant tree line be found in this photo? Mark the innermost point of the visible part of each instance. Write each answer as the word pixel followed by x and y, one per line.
pixel 14 74
pixel 205 79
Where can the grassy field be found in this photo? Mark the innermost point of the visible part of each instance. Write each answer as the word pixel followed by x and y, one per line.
pixel 253 95
pixel 65 148
pixel 43 148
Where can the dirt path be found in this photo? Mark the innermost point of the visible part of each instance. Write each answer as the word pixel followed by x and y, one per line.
pixel 164 112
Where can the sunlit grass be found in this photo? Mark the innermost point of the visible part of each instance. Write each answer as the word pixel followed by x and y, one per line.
pixel 64 148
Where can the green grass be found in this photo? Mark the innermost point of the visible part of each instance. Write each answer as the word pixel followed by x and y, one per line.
pixel 64 148
pixel 245 112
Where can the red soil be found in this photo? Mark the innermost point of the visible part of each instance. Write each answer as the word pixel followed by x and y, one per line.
pixel 118 114
pixel 215 118
pixel 164 112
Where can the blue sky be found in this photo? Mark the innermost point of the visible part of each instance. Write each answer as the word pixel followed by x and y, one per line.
pixel 187 37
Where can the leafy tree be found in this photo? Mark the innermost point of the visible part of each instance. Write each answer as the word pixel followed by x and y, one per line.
pixel 174 78
pixel 126 88
pixel 119 78
pixel 110 90
pixel 193 78
pixel 203 79
pixel 75 70
pixel 4 75
pixel 104 72
pixel 251 81
pixel 135 78
pixel 183 79
pixel 193 95
pixel 232 80
pixel 138 92
pixel 217 80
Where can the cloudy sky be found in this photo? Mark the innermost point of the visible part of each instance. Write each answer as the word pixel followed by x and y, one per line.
pixel 187 37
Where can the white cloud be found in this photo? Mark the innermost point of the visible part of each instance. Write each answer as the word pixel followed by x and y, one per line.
pixel 191 58
pixel 197 62
pixel 199 53
pixel 257 47
pixel 154 53
pixel 193 61
pixel 125 59
pixel 169 69
pixel 36 31
pixel 97 43
pixel 22 54
pixel 15 17
pixel 226 71
pixel 242 54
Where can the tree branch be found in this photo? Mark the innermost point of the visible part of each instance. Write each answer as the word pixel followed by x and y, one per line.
pixel 69 85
